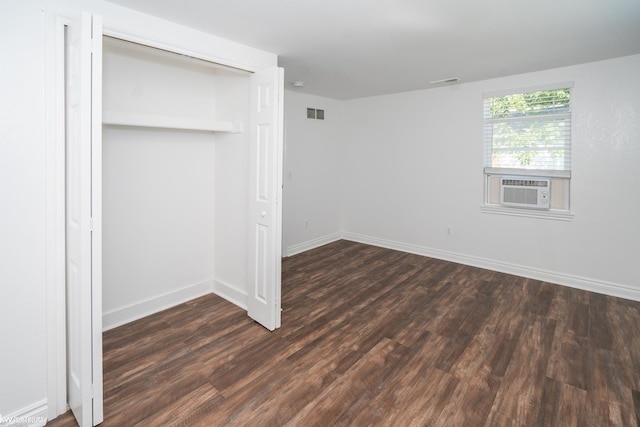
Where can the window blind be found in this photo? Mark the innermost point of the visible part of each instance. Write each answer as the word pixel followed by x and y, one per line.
pixel 528 130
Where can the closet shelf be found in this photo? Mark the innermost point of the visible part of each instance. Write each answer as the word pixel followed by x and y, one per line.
pixel 170 122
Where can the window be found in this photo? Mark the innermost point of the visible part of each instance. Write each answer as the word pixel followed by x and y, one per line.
pixel 527 134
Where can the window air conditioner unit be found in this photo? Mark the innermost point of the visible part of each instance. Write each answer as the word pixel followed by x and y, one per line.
pixel 525 192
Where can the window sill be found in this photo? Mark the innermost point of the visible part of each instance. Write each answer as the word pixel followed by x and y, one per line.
pixel 553 214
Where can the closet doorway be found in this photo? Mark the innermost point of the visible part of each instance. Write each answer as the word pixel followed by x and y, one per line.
pixel 188 189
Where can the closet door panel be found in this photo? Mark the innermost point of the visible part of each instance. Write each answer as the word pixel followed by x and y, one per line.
pixel 265 194
pixel 83 260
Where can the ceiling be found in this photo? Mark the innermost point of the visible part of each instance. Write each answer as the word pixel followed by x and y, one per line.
pixel 346 49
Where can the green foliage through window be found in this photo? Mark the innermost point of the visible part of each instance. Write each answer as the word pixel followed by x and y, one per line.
pixel 529 130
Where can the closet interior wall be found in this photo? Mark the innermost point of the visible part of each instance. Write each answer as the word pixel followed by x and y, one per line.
pixel 175 179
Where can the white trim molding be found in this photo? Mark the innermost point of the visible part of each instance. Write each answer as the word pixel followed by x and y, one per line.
pixel 138 310
pixel 312 244
pixel 553 214
pixel 55 23
pixel 33 416
pixel 230 293
pixel 587 284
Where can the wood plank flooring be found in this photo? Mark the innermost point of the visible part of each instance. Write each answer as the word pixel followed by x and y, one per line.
pixel 375 337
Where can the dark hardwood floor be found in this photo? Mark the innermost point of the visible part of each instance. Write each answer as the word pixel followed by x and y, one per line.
pixel 372 337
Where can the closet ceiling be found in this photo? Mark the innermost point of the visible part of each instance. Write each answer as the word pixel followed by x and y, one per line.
pixel 347 49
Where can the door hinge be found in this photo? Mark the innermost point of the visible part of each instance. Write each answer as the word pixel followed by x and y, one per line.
pixel 91 224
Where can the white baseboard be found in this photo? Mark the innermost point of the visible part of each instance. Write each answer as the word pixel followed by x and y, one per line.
pixel 33 416
pixel 312 244
pixel 230 293
pixel 155 304
pixel 587 284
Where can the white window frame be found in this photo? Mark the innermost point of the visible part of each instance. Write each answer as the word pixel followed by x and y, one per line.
pixel 561 178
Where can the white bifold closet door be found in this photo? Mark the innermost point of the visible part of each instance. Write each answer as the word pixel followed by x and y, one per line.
pixel 83 240
pixel 265 240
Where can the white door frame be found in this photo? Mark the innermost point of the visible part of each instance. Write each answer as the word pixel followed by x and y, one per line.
pixel 55 251
pixel 55 197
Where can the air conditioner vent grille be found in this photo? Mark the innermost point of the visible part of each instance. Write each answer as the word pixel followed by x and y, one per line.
pixel 525 182
pixel 525 192
pixel 522 196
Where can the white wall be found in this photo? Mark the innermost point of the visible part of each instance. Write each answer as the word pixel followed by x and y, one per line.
pixel 312 172
pixel 27 278
pixel 22 208
pixel 413 166
pixel 231 213
pixel 158 220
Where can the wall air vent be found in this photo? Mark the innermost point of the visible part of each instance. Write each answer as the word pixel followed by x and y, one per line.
pixel 527 192
pixel 315 113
